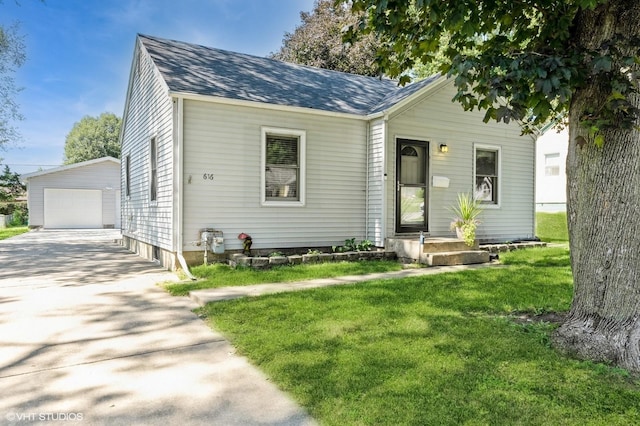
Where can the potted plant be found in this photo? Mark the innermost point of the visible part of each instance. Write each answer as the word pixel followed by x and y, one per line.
pixel 466 220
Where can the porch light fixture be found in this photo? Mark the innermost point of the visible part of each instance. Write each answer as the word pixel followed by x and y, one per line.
pixel 444 148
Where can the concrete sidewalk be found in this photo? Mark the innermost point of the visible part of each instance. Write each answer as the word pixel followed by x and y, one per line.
pixel 202 297
pixel 86 334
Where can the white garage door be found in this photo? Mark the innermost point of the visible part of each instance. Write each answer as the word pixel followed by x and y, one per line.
pixel 72 208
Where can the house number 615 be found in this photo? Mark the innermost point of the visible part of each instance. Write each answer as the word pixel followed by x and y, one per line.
pixel 207 176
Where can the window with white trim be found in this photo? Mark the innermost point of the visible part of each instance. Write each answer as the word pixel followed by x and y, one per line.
pixel 486 176
pixel 153 163
pixel 552 164
pixel 283 166
pixel 127 175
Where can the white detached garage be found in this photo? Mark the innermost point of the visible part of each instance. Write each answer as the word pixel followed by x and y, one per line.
pixel 81 195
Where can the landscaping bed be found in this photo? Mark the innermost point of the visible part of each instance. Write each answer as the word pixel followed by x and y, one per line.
pixel 262 262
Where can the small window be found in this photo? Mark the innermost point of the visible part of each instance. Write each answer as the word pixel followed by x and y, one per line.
pixel 153 178
pixel 552 164
pixel 127 175
pixel 283 166
pixel 409 151
pixel 487 174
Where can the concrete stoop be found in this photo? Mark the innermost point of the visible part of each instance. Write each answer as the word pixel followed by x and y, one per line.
pixel 450 258
pixel 437 251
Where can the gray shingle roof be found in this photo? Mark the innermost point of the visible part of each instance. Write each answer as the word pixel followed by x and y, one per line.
pixel 195 69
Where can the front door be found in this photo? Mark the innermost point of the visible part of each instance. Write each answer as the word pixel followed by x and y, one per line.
pixel 412 176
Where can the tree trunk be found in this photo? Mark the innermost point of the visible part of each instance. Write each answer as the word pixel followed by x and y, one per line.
pixel 603 211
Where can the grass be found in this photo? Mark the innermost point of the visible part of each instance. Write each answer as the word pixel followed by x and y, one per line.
pixel 218 275
pixel 12 232
pixel 552 227
pixel 435 350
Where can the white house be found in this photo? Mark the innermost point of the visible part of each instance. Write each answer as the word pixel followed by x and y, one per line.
pixel 297 156
pixel 80 195
pixel 551 173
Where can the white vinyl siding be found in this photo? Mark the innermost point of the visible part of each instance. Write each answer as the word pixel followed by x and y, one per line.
pixel 103 176
pixel 437 119
pixel 224 142
pixel 375 183
pixel 148 114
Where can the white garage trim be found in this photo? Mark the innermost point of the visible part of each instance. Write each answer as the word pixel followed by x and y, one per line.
pixel 72 208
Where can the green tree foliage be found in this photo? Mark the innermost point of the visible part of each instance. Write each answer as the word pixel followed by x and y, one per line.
pixel 12 56
pixel 93 137
pixel 523 53
pixel 317 42
pixel 10 185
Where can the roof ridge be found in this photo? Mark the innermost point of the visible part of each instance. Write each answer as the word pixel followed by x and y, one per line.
pixel 190 68
pixel 266 58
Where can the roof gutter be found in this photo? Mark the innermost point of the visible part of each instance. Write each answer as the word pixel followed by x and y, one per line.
pixel 262 105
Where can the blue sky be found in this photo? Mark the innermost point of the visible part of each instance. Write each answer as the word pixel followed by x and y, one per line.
pixel 79 53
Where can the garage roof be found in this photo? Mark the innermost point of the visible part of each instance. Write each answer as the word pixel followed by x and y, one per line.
pixel 28 176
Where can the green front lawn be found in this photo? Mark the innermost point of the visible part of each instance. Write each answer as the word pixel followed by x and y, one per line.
pixel 12 232
pixel 552 227
pixel 219 275
pixel 447 349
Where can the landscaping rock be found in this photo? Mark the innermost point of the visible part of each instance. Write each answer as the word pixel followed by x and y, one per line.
pixel 238 259
pixel 376 255
pixel 309 258
pixel 325 257
pixel 278 260
pixel 340 257
pixel 259 262
pixel 352 255
pixel 295 259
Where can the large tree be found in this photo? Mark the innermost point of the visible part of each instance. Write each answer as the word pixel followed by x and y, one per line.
pixel 534 61
pixel 317 42
pixel 93 137
pixel 12 56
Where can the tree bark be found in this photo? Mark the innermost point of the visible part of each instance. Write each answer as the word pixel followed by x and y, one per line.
pixel 603 211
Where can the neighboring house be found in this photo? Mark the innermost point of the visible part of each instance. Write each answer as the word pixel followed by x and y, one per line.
pixel 80 195
pixel 551 173
pixel 300 157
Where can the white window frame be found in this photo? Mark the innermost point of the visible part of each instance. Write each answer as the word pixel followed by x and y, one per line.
pixel 549 168
pixel 127 176
pixel 498 149
pixel 153 161
pixel 302 145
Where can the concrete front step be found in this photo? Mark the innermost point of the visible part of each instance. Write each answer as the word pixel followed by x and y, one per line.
pixel 443 245
pixel 451 258
pixel 410 250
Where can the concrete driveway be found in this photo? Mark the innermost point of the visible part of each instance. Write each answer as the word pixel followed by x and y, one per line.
pixel 87 337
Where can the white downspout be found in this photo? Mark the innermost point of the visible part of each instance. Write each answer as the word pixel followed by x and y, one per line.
pixel 366 190
pixel 383 227
pixel 179 171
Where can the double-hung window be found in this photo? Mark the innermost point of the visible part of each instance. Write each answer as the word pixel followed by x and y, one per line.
pixel 153 166
pixel 127 176
pixel 283 167
pixel 487 179
pixel 552 164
